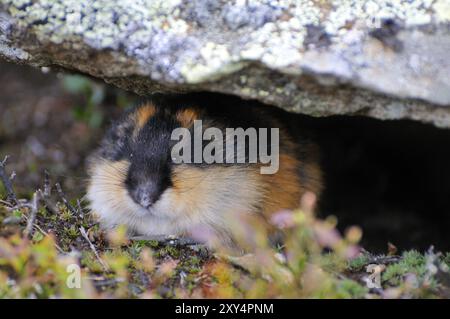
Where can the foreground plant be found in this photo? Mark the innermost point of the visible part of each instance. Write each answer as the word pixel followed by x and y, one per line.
pixel 50 248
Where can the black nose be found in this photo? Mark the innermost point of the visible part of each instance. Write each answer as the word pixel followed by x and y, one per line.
pixel 146 194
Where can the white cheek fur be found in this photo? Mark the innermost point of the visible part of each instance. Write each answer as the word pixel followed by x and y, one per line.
pixel 172 214
pixel 110 202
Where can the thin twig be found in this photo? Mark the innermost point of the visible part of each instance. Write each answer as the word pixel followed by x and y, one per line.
pixel 80 209
pixel 47 187
pixel 64 199
pixel 103 282
pixel 91 245
pixel 46 194
pixel 34 207
pixel 11 195
pixel 3 202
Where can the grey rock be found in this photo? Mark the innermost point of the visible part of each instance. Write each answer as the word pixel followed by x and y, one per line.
pixel 384 59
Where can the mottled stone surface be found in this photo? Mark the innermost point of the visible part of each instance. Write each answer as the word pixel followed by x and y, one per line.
pixel 385 59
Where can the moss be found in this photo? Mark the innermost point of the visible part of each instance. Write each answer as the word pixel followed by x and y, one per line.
pixel 358 263
pixel 413 258
pixel 72 232
pixel 177 271
pixel 168 250
pixel 412 262
pixel 190 265
pixel 147 243
pixel 37 237
pixel 65 213
pixel 332 263
pixel 43 212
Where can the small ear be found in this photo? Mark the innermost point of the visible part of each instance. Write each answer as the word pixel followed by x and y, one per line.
pixel 186 117
pixel 143 114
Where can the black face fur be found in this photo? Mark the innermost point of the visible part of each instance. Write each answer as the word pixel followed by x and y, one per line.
pixel 150 169
pixel 147 149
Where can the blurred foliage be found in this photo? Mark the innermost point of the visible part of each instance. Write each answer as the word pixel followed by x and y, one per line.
pixel 93 96
pixel 34 269
pixel 358 262
pixel 315 262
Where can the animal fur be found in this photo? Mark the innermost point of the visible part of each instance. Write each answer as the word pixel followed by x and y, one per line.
pixel 189 197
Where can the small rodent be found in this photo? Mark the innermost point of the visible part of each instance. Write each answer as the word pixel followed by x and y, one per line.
pixel 133 180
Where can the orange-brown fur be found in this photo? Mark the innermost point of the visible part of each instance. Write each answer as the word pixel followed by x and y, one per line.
pixel 143 115
pixel 187 116
pixel 205 196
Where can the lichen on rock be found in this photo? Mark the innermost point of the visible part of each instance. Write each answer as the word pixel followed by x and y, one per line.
pixel 386 59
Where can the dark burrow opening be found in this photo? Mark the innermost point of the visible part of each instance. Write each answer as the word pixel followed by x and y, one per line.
pixel 392 178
